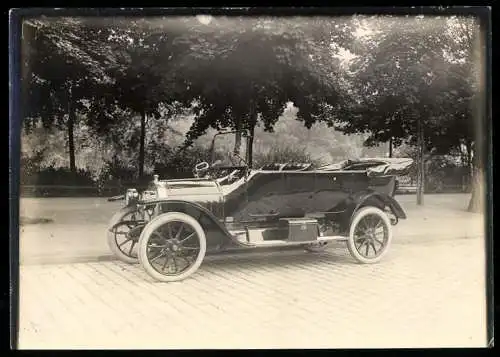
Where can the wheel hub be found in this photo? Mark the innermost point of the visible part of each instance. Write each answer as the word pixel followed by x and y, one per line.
pixel 172 247
pixel 134 232
pixel 370 236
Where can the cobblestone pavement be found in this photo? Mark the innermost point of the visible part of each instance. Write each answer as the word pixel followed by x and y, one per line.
pixel 421 295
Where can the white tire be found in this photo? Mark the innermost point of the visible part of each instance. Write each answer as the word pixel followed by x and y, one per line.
pixel 370 232
pixel 121 246
pixel 172 246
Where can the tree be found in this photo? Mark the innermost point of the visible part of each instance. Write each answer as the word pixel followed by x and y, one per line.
pixel 58 76
pixel 145 80
pixel 74 56
pixel 242 71
pixel 424 94
pixel 152 62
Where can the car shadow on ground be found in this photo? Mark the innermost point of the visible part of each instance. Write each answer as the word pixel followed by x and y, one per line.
pixel 225 264
pixel 277 257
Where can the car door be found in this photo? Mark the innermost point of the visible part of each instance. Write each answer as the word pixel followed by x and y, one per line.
pixel 259 198
pixel 333 188
pixel 329 190
pixel 299 187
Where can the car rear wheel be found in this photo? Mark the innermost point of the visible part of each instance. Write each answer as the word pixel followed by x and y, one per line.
pixel 370 235
pixel 172 247
pixel 121 235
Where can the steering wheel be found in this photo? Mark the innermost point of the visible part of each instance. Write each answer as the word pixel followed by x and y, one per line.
pixel 237 155
pixel 201 168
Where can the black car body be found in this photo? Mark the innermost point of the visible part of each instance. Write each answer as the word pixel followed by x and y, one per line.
pixel 235 206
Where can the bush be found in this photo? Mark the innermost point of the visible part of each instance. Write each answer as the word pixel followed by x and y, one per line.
pixel 283 154
pixel 31 165
pixel 116 171
pixel 442 172
pixel 445 176
pixel 61 176
pixel 180 163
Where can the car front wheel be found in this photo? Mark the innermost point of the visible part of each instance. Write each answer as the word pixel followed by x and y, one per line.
pixel 121 234
pixel 370 235
pixel 172 247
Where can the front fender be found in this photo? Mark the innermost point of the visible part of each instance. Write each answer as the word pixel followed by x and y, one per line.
pixel 217 233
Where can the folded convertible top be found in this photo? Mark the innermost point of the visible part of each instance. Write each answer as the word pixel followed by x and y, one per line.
pixel 381 166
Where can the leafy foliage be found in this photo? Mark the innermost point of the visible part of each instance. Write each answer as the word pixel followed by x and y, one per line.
pixel 57 176
pixel 280 154
pixel 61 67
pixel 427 79
pixel 241 71
pixel 128 80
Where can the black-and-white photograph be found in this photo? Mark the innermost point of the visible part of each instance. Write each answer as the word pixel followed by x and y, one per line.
pixel 212 180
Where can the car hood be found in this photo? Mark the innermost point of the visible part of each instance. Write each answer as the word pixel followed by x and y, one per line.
pixel 189 189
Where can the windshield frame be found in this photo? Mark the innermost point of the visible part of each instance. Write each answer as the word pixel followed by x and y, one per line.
pixel 244 136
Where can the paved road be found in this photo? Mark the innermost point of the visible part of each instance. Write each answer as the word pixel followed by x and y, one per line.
pixel 421 295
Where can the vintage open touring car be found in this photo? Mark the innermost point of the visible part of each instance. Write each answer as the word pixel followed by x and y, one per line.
pixel 170 227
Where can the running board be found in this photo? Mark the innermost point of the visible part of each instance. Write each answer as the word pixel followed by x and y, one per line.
pixel 286 243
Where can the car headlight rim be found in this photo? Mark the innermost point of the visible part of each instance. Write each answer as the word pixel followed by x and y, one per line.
pixel 131 196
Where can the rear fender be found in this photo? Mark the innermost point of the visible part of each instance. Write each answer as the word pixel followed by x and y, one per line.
pixel 379 200
pixel 216 233
pixel 364 198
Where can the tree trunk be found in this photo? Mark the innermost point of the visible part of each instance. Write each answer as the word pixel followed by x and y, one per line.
pixel 71 129
pixel 390 147
pixel 481 138
pixel 71 141
pixel 470 168
pixel 141 144
pixel 252 124
pixel 477 191
pixel 420 163
pixel 250 147
pixel 237 139
pixel 476 200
